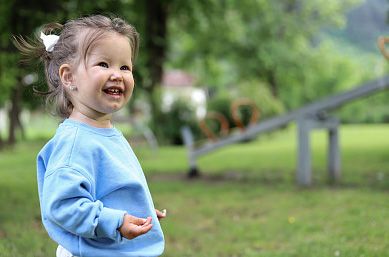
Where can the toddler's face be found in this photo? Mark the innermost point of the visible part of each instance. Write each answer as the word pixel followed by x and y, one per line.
pixel 105 81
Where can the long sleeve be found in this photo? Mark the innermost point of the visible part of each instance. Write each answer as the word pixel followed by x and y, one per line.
pixel 88 179
pixel 68 203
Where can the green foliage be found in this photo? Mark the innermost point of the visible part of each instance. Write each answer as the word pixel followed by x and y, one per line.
pixel 250 38
pixel 258 92
pixel 346 70
pixel 278 45
pixel 373 109
pixel 20 18
pixel 8 78
pixel 281 44
pixel 220 103
pixel 327 73
pixel 255 91
pixel 168 123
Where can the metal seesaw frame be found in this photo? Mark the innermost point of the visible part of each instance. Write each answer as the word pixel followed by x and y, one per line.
pixel 308 117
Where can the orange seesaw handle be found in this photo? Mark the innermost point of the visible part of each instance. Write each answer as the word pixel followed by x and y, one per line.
pixel 381 44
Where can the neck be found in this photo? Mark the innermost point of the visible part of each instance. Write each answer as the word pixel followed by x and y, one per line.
pixel 102 122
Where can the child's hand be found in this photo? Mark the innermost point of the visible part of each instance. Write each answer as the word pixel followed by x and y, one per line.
pixel 160 215
pixel 133 227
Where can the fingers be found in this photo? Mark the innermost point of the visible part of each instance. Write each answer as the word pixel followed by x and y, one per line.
pixel 137 230
pixel 147 221
pixel 133 227
pixel 137 221
pixel 161 215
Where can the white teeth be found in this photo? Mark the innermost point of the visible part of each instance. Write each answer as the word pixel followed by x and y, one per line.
pixel 112 90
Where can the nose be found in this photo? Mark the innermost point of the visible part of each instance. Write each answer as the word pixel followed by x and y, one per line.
pixel 116 76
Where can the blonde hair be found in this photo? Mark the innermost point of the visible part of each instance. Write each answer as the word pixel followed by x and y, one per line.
pixel 75 39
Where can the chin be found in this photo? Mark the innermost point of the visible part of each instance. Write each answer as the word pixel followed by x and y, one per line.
pixel 115 109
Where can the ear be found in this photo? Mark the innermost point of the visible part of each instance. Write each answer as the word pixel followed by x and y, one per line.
pixel 66 75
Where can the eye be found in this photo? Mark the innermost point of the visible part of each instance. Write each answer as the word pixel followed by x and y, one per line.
pixel 103 64
pixel 125 68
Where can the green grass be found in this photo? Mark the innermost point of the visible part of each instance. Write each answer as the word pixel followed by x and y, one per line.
pixel 245 203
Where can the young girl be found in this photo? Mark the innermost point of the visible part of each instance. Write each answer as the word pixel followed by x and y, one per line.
pixel 93 194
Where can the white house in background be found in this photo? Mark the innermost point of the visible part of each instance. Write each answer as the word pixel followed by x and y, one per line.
pixel 179 85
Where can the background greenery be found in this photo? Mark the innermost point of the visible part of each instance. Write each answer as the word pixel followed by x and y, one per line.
pixel 249 207
pixel 279 54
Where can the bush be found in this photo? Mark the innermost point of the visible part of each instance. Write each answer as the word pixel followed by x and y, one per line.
pixel 256 92
pixel 373 109
pixel 168 124
pixel 220 103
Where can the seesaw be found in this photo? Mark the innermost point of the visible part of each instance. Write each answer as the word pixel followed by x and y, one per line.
pixel 308 117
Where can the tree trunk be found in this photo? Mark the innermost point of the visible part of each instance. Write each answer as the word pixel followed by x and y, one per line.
pixel 1 143
pixel 273 84
pixel 14 119
pixel 289 7
pixel 156 29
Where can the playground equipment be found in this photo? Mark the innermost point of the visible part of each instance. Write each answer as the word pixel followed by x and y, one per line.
pixel 381 44
pixel 235 113
pixel 309 117
pixel 224 124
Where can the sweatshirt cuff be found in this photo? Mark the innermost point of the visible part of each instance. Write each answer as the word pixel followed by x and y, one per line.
pixel 108 223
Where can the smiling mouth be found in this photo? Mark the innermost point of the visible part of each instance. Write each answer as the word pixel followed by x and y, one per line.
pixel 113 91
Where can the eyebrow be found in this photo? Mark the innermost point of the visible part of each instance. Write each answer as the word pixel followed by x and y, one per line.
pixel 106 56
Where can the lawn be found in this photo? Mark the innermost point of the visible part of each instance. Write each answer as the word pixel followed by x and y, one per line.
pixel 246 202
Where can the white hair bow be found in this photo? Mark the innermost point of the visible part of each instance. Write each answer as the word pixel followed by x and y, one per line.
pixel 49 41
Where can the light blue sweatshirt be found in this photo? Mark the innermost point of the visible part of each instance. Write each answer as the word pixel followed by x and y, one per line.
pixel 88 179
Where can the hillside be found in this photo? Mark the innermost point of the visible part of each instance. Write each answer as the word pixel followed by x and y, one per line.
pixel 365 23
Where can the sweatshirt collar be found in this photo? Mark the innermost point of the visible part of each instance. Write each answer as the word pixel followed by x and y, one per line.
pixel 102 131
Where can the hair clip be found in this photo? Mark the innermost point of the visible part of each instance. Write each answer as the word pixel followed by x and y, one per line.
pixel 49 41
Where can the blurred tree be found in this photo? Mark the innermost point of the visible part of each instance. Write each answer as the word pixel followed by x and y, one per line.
pixel 150 17
pixel 227 42
pixel 18 17
pixel 223 42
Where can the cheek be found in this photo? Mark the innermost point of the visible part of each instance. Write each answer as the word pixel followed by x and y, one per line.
pixel 129 91
pixel 130 83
